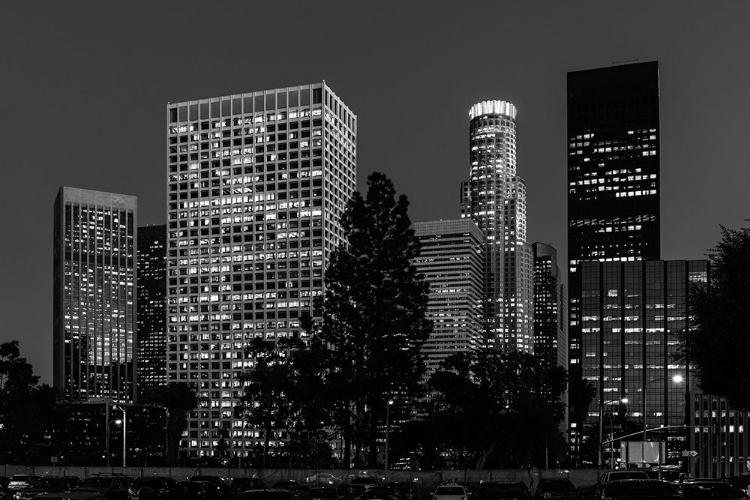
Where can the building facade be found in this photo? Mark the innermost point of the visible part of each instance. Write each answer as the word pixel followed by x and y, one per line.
pixel 257 183
pixel 632 315
pixel 613 174
pixel 550 305
pixel 94 298
pixel 152 311
pixel 451 260
pixel 495 199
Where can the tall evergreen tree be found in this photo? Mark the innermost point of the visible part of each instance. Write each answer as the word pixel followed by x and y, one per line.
pixel 373 315
pixel 717 346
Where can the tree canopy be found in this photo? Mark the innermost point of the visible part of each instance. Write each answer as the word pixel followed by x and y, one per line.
pixel 717 346
pixel 373 314
pixel 26 407
pixel 490 408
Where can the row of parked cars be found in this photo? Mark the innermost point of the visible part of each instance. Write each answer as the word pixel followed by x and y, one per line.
pixel 113 487
pixel 614 485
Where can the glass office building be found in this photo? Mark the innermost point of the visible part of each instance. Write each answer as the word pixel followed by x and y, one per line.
pixel 256 185
pixel 94 315
pixel 451 260
pixel 550 305
pixel 152 310
pixel 613 174
pixel 632 313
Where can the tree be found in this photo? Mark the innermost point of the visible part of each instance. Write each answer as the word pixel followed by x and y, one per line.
pixel 266 403
pixel 179 399
pixel 26 407
pixel 494 408
pixel 717 346
pixel 373 315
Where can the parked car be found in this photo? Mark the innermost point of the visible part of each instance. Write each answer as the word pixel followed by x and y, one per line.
pixel 289 484
pixel 713 490
pixel 651 489
pixel 47 484
pixel 155 487
pixel 450 492
pixel 20 481
pixel 72 495
pixel 325 493
pixel 240 484
pixel 323 478
pixel 555 488
pixel 200 490
pixel 113 486
pixel 352 491
pixel 492 490
pixel 366 481
pixel 584 492
pixel 272 494
pixel 618 475
pixel 214 481
pixel 379 493
pixel 406 490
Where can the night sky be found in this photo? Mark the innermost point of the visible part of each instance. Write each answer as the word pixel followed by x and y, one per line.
pixel 85 87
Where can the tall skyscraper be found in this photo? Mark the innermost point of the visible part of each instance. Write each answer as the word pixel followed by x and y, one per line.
pixel 613 174
pixel 550 306
pixel 152 310
pixel 94 295
pixel 495 199
pixel 632 313
pixel 257 183
pixel 451 259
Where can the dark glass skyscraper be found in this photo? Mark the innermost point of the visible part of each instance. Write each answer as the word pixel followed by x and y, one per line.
pixel 152 310
pixel 632 314
pixel 613 174
pixel 94 295
pixel 550 297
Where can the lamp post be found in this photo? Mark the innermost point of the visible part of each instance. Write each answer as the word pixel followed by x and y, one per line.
pixel 124 436
pixel 676 379
pixel 602 404
pixel 387 433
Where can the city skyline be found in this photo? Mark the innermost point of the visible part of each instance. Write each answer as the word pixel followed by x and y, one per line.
pixel 86 88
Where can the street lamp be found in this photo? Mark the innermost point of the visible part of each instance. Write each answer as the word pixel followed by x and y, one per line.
pixel 387 433
pixel 676 379
pixel 124 435
pixel 602 404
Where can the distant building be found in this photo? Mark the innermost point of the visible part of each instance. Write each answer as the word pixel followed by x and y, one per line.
pixel 152 310
pixel 632 314
pixel 613 174
pixel 550 304
pixel 94 295
pixel 257 183
pixel 451 260
pixel 495 199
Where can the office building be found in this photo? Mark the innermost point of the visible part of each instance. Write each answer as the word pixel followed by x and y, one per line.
pixel 94 295
pixel 495 199
pixel 613 174
pixel 451 260
pixel 257 183
pixel 632 314
pixel 152 311
pixel 550 305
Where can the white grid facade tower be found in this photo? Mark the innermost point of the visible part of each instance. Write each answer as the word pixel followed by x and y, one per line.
pixel 256 186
